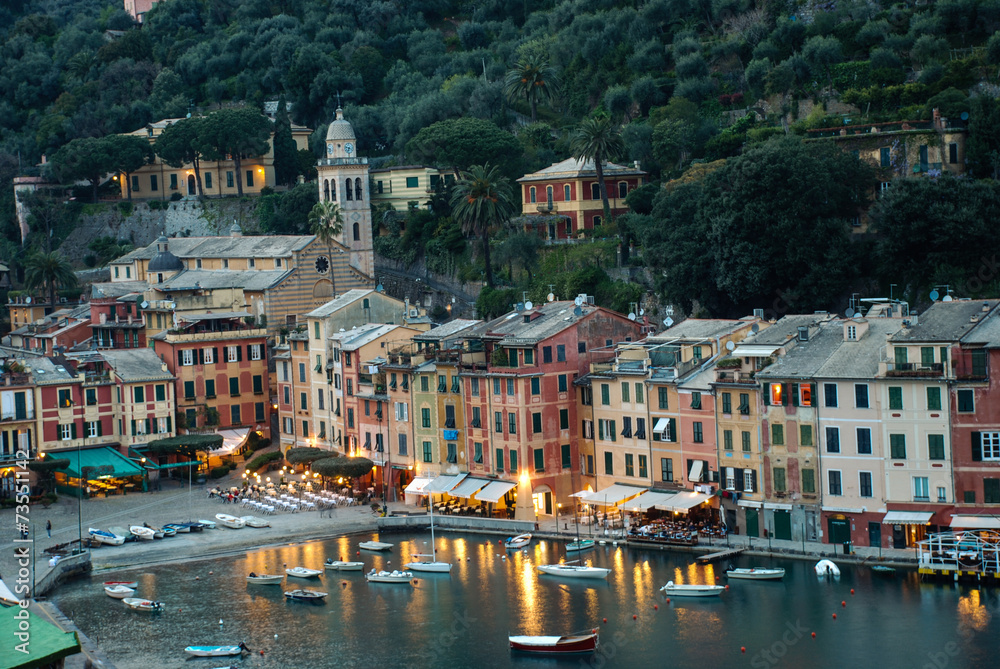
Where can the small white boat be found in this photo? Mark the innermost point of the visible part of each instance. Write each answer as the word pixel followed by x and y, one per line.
pixel 574 644
pixel 105 537
pixel 757 574
pixel 520 541
pixel 341 565
pixel 305 595
pixel 254 521
pixel 389 576
pixel 217 651
pixel 692 590
pixel 144 533
pixel 158 533
pixel 232 522
pixel 827 568
pixel 580 545
pixel 118 591
pixel 127 584
pixel 573 571
pixel 209 524
pixel 265 579
pixel 433 565
pixel 302 572
pixel 375 546
pixel 137 604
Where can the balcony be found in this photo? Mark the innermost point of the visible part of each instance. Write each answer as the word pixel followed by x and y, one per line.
pixel 914 369
pixel 187 337
pixel 546 207
pixel 735 376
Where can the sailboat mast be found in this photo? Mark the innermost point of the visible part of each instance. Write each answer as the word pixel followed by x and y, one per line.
pixel 430 501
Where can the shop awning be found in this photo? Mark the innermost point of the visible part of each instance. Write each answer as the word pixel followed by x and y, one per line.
pixel 443 483
pixel 495 490
pixel 103 462
pixel 907 517
pixel 682 502
pixel 750 351
pixel 613 495
pixel 695 473
pixel 778 506
pixel 976 522
pixel 469 487
pixel 749 504
pixel 231 441
pixel 48 645
pixel 647 500
pixel 417 485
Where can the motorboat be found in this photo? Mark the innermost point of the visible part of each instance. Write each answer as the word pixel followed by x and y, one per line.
pixel 692 590
pixel 580 545
pixel 433 565
pixel 341 565
pixel 757 574
pixel 177 528
pixel 375 546
pixel 305 595
pixel 209 524
pixel 520 541
pixel 118 591
pixel 302 572
pixel 232 522
pixel 105 537
pixel 389 576
pixel 137 604
pixel 572 644
pixel 217 651
pixel 127 584
pixel 144 533
pixel 254 521
pixel 265 579
pixel 573 571
pixel 827 568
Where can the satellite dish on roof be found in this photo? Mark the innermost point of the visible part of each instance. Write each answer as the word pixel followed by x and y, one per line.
pixel 934 296
pixel 946 298
pixel 528 305
pixel 578 301
pixel 730 346
pixel 642 312
pixel 755 328
pixel 550 297
pixel 577 311
pixel 144 304
pixel 631 316
pixel 668 321
pixel 849 313
pixel 27 300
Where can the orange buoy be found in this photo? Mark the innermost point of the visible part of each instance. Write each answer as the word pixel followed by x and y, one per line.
pixel 359 552
pixel 814 635
pixel 834 616
pixel 716 578
pixel 656 607
pixel 844 604
pixel 727 587
pixel 743 649
pixel 668 600
pixel 605 620
pixel 634 616
pixel 261 652
pixel 414 581
pixel 852 591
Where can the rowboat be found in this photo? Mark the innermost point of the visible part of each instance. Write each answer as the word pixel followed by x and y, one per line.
pixel 105 537
pixel 167 531
pixel 573 571
pixel 232 522
pixel 254 521
pixel 193 527
pixel 827 568
pixel 265 579
pixel 118 591
pixel 305 595
pixel 127 584
pixel 177 528
pixel 302 572
pixel 375 546
pixel 520 541
pixel 217 651
pixel 757 574
pixel 883 570
pixel 341 565
pixel 555 645
pixel 157 532
pixel 580 545
pixel 389 576
pixel 144 533
pixel 692 590
pixel 209 524
pixel 143 604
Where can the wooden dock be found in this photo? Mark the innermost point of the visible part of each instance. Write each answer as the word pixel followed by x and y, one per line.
pixel 721 555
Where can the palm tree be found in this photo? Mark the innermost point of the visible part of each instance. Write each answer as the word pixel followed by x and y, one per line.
pixel 532 78
pixel 598 139
pixel 326 221
pixel 482 200
pixel 49 270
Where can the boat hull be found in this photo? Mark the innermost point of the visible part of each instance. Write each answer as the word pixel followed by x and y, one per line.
pixel 693 590
pixel 213 651
pixel 144 533
pixel 567 645
pixel 756 574
pixel 574 572
pixel 430 567
pixel 345 566
pixel 253 521
pixel 107 538
pixel 520 541
pixel 232 522
pixel 275 579
pixel 127 584
pixel 374 546
pixel 119 592
pixel 584 545
pixel 402 577
pixel 143 604
pixel 305 595
pixel 301 572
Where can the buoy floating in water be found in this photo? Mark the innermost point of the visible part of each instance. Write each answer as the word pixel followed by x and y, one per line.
pixel 668 600
pixel 605 620
pixel 834 616
pixel 656 607
pixel 814 635
pixel 634 616
pixel 844 604
pixel 743 649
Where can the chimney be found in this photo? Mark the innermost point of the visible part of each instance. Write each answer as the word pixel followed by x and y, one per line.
pixel 936 119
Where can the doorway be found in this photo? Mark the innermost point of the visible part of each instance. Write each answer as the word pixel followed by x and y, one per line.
pixel 191 185
pixel 874 534
pixel 899 536
pixel 753 529
pixel 839 530
pixel 783 525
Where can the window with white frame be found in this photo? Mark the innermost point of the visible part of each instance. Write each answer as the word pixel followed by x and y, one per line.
pixel 588 429
pixel 93 429
pixel 209 354
pixel 748 480
pixel 921 489
pixel 65 432
pixel 140 426
pixel 232 353
pixel 836 488
pixel 942 494
pixel 402 412
pixel 161 425
pixel 255 351
pixel 288 425
pixel 187 357
pixel 991 445
pixel 730 478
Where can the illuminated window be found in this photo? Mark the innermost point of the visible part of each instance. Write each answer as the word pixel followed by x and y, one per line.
pixel 775 392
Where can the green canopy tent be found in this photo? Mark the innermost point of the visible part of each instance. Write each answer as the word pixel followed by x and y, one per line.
pixel 97 463
pixel 46 645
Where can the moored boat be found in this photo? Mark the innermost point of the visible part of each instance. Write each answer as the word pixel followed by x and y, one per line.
pixel 433 565
pixel 143 533
pixel 105 537
pixel 232 522
pixel 265 579
pixel 827 568
pixel 305 595
pixel 375 546
pixel 692 590
pixel 389 577
pixel 342 565
pixel 209 524
pixel 137 604
pixel 580 545
pixel 883 570
pixel 302 572
pixel 757 574
pixel 217 651
pixel 573 571
pixel 118 591
pixel 127 584
pixel 555 645
pixel 520 541
pixel 254 521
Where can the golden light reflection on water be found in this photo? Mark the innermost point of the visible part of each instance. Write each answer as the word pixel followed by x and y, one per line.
pixel 971 612
pixel 694 621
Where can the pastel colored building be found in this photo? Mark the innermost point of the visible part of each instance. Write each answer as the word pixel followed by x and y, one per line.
pixel 408 186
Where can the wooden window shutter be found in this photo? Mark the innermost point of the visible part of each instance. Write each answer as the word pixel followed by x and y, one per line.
pixel 148 427
pixel 133 427
pixel 784 394
pixel 72 430
pixel 795 394
pixel 765 390
pixel 239 354
pixel 201 356
pixel 100 428
pixel 180 358
pixel 215 355
pixel 738 480
pixel 977 446
pixel 170 427
pixel 753 480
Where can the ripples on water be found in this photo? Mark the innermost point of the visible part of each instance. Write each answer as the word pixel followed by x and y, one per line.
pixel 462 620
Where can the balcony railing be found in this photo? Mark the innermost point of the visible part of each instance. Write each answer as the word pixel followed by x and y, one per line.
pixel 914 369
pixel 734 376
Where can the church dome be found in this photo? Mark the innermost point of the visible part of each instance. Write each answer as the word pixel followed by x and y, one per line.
pixel 340 129
pixel 164 260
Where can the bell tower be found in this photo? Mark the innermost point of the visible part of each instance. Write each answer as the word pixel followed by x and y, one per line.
pixel 343 180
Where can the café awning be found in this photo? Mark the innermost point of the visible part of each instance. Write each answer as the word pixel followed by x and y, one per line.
pixel 613 495
pixel 750 351
pixel 48 644
pixel 907 517
pixel 443 484
pixel 417 485
pixel 469 487
pixel 976 522
pixel 231 441
pixel 683 502
pixel 102 462
pixel 647 500
pixel 495 490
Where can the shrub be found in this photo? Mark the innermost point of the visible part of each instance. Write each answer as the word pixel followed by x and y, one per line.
pixel 219 472
pixel 175 197
pixel 264 459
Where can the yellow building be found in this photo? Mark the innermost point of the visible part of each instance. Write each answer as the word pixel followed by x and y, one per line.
pixel 408 186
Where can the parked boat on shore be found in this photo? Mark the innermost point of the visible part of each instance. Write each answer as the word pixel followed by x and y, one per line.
pixel 143 533
pixel 573 644
pixel 106 537
pixel 209 524
pixel 254 521
pixel 232 522
pixel 692 590
pixel 176 528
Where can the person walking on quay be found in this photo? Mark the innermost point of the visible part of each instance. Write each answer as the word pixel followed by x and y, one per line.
pixel 48 528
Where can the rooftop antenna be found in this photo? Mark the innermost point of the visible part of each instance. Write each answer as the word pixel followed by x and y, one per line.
pixel 338 101
pixel 891 286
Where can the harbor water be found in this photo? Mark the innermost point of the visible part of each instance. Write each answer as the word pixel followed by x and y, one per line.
pixel 463 619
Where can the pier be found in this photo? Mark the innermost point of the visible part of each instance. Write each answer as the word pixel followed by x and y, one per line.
pixel 721 555
pixel 955 555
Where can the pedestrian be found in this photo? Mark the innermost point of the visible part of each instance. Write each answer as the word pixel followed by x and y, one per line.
pixel 48 528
